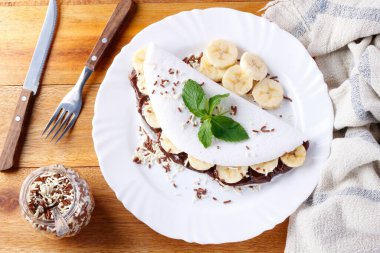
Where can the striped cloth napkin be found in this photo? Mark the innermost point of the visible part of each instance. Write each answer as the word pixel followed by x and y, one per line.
pixel 343 36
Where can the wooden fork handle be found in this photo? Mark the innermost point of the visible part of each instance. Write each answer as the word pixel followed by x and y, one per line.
pixel 17 126
pixel 120 13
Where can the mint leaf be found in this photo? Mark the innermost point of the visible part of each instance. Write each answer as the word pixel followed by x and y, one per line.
pixel 220 126
pixel 227 129
pixel 205 134
pixel 194 98
pixel 214 101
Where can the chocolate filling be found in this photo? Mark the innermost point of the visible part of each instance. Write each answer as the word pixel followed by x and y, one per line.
pixel 252 177
pixel 141 99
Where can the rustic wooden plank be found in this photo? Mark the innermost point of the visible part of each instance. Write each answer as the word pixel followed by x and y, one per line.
pixel 87 2
pixel 112 227
pixel 78 30
pixel 76 149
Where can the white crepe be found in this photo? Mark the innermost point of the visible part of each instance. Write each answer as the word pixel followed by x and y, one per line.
pixel 260 147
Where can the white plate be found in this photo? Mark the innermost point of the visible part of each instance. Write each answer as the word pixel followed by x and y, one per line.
pixel 148 194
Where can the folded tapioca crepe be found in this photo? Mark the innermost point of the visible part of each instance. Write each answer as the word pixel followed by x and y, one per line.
pixel 165 75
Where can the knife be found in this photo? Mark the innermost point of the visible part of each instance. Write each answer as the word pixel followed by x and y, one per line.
pixel 31 83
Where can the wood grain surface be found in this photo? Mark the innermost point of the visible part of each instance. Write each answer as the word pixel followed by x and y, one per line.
pixel 113 228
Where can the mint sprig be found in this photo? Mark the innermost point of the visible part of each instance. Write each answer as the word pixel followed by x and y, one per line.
pixel 219 126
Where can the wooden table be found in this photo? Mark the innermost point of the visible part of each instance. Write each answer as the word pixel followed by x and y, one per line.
pixel 112 227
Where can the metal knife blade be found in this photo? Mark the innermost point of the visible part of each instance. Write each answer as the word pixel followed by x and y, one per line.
pixel 41 51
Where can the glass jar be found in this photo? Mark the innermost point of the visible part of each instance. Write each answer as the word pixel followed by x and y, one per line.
pixel 56 201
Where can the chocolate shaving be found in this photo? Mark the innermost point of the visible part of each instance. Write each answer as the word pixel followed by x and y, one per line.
pixel 193 59
pixel 288 98
pixel 233 110
pixel 163 82
pixel 148 144
pixel 274 78
pixel 227 201
pixel 167 168
pixel 179 109
pixel 214 198
pixel 265 130
pixel 200 192
pixel 136 160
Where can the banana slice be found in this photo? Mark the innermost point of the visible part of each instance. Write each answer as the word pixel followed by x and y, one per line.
pixel 265 167
pixel 221 53
pixel 254 65
pixel 296 158
pixel 138 60
pixel 198 164
pixel 206 68
pixel 268 93
pixel 237 81
pixel 150 115
pixel 167 145
pixel 231 175
pixel 141 84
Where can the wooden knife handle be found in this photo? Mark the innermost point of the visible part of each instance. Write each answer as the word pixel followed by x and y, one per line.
pixel 120 13
pixel 15 130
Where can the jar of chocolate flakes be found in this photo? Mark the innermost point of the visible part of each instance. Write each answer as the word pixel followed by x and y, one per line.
pixel 56 201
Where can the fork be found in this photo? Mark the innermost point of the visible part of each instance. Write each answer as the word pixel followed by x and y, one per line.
pixel 69 108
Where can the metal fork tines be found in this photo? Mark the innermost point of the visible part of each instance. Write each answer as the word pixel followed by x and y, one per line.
pixel 68 110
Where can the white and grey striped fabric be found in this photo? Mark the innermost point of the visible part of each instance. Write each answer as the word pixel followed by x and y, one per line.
pixel 343 212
